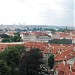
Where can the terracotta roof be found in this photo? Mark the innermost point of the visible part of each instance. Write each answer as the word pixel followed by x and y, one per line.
pixel 65 55
pixel 26 33
pixel 61 51
pixel 64 69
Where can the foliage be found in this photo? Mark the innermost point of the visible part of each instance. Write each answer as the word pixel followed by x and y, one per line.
pixel 50 29
pixel 12 55
pixel 4 69
pixel 31 61
pixel 4 36
pixel 15 38
pixel 5 40
pixel 61 41
pixel 51 61
pixel 17 61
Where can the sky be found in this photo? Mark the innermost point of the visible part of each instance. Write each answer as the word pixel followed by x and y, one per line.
pixel 37 12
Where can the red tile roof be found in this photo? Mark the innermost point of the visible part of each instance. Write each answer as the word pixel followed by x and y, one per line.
pixel 65 55
pixel 63 69
pixel 61 51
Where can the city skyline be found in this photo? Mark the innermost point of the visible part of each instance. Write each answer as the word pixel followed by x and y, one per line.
pixel 37 12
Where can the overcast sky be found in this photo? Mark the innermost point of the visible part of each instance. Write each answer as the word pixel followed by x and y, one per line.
pixel 47 12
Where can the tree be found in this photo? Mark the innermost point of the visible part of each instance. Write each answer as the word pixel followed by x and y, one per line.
pixel 11 55
pixel 61 41
pixel 15 38
pixel 51 61
pixel 11 38
pixel 4 36
pixel 31 61
pixel 5 40
pixel 4 69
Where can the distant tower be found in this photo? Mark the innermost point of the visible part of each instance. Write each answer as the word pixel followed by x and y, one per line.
pixel 66 29
pixel 23 23
pixel 19 24
pixel 13 23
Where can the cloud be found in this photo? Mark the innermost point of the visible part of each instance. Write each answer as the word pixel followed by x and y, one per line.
pixel 55 12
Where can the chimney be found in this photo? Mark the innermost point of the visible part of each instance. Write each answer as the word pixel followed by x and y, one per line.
pixel 70 67
pixel 65 56
pixel 60 52
pixel 61 44
pixel 64 62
